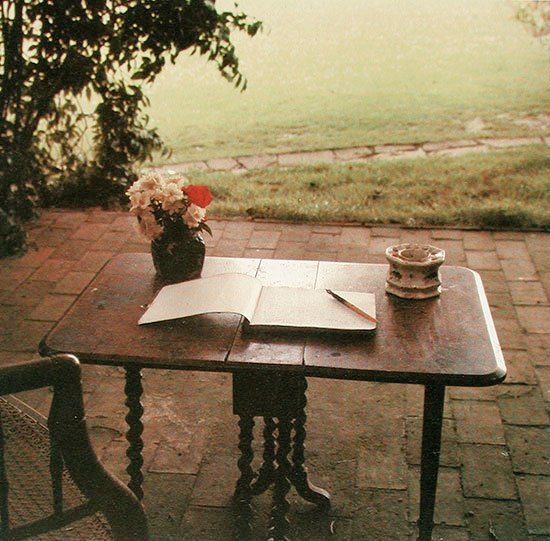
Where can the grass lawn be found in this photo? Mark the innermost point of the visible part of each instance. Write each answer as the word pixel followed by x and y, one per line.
pixel 498 189
pixel 336 74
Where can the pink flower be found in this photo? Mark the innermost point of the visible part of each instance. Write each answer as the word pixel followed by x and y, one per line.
pixel 194 216
pixel 198 195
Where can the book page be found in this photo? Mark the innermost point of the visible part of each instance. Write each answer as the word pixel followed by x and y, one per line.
pixel 231 292
pixel 312 308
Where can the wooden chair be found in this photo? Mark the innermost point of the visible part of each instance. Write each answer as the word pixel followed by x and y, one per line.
pixel 51 482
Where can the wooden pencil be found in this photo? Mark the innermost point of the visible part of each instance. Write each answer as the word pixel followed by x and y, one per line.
pixel 351 306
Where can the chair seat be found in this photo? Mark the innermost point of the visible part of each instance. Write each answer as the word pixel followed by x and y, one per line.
pixel 27 456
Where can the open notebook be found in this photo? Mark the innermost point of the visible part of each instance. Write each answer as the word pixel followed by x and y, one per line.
pixel 263 307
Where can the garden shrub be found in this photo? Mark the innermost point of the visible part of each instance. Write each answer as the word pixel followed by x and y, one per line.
pixel 56 55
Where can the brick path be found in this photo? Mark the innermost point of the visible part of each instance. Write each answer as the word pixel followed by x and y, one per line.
pixel 363 441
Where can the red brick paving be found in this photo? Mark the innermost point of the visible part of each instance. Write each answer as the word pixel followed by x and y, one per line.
pixel 362 438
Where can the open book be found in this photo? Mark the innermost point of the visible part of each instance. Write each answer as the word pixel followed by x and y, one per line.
pixel 265 307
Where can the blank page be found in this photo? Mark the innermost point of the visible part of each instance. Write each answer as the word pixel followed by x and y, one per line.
pixel 230 292
pixel 312 308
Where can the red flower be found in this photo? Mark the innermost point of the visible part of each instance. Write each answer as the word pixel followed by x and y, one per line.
pixel 198 195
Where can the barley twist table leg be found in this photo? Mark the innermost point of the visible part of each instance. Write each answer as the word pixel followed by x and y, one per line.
pixel 266 474
pixel 299 477
pixel 279 523
pixel 243 493
pixel 134 390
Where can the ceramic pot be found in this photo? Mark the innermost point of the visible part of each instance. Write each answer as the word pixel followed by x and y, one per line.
pixel 414 270
pixel 178 257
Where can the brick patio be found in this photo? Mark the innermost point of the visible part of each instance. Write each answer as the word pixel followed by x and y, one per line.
pixel 363 439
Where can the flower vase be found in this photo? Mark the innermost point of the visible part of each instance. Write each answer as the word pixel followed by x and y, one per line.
pixel 178 257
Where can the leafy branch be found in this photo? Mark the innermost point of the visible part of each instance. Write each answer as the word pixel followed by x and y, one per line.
pixel 56 53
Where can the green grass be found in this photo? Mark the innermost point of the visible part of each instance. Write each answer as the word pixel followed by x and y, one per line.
pixel 495 190
pixel 337 74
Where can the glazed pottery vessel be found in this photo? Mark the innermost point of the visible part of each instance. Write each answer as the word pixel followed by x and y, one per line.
pixel 414 270
pixel 178 257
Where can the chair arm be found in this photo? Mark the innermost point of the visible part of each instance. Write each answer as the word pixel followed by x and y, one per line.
pixel 68 430
pixel 50 371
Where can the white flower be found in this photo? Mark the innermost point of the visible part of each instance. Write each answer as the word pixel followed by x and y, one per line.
pixel 194 216
pixel 171 197
pixel 152 182
pixel 139 200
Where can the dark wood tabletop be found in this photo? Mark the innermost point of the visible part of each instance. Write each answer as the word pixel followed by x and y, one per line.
pixel 448 340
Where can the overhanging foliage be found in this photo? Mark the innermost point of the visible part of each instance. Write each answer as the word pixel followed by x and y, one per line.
pixel 56 55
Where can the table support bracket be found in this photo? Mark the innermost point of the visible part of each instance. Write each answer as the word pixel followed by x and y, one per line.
pixel 282 397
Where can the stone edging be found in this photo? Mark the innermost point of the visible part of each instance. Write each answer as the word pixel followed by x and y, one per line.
pixel 352 155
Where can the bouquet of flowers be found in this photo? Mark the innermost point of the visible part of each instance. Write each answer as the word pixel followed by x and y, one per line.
pixel 168 207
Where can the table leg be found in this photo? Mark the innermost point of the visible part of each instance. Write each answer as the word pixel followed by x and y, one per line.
pixel 279 522
pixel 434 398
pixel 243 493
pixel 299 478
pixel 4 489
pixel 134 390
pixel 266 474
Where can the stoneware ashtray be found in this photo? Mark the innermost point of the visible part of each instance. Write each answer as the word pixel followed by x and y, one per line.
pixel 414 270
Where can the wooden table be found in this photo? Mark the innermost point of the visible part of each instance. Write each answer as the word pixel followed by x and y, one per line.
pixel 448 340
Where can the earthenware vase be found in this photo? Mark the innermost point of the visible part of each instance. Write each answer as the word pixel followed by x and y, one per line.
pixel 414 270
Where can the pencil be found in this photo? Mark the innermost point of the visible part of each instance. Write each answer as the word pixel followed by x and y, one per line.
pixel 351 306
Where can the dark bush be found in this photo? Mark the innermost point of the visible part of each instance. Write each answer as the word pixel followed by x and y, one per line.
pixel 53 53
pixel 12 237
